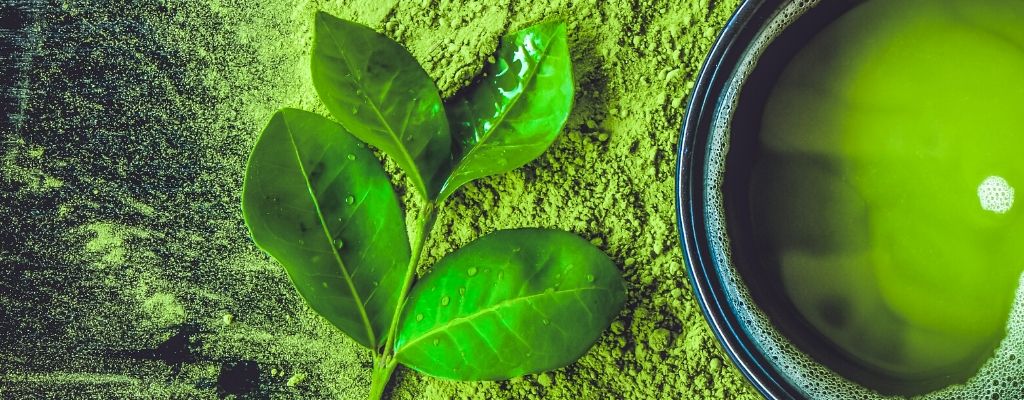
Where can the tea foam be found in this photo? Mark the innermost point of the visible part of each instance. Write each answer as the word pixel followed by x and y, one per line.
pixel 995 195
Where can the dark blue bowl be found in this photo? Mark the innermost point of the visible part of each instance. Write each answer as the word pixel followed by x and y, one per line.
pixel 725 58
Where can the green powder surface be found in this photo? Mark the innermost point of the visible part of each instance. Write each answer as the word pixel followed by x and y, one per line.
pixel 128 273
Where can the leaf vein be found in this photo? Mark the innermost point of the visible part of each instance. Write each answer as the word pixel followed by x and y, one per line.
pixel 328 237
pixel 500 118
pixel 484 338
pixel 400 147
pixel 493 308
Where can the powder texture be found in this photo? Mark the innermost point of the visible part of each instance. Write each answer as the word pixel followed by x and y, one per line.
pixel 128 272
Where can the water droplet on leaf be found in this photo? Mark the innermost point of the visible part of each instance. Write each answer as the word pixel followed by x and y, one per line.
pixel 445 300
pixel 590 278
pixel 419 317
pixel 351 157
pixel 471 271
pixel 349 200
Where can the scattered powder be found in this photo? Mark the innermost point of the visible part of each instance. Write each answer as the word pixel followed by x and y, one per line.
pixel 135 274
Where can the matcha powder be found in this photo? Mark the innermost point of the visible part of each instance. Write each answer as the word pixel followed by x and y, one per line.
pixel 128 272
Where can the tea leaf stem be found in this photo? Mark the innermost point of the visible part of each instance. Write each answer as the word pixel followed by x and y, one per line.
pixel 385 362
pixel 382 370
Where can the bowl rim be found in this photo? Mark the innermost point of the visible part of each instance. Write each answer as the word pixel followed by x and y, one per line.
pixel 717 70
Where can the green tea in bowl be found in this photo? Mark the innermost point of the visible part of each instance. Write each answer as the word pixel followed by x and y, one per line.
pixel 884 187
pixel 861 181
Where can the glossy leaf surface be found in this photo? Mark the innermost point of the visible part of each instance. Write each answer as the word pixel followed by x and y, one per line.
pixel 516 109
pixel 319 202
pixel 379 92
pixel 510 303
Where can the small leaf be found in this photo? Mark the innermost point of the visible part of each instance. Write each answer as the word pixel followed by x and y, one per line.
pixel 516 109
pixel 511 303
pixel 319 202
pixel 379 92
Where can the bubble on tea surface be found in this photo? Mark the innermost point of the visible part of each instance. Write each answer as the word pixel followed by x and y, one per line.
pixel 815 380
pixel 995 195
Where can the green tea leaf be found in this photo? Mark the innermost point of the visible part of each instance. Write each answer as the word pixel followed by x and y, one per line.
pixel 319 202
pixel 379 92
pixel 511 303
pixel 516 109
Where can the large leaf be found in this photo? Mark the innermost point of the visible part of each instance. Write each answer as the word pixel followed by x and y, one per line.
pixel 319 202
pixel 379 92
pixel 516 109
pixel 510 303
